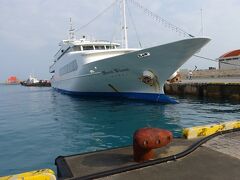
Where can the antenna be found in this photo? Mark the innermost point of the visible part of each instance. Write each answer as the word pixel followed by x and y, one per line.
pixel 125 37
pixel 202 22
pixel 71 30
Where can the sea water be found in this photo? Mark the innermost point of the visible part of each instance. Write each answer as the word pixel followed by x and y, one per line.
pixel 39 124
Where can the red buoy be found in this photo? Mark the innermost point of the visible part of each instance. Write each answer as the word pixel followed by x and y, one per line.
pixel 147 139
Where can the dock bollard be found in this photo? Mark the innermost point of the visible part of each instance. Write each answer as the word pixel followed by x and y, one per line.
pixel 147 139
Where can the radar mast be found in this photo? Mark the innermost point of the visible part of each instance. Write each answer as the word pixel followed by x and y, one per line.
pixel 71 31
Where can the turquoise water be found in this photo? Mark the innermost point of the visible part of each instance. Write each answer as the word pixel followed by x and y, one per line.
pixel 39 124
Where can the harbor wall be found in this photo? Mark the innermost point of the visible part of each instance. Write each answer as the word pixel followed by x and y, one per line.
pixel 229 91
pixel 212 73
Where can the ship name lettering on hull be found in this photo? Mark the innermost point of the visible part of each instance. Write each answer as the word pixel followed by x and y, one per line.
pixel 116 70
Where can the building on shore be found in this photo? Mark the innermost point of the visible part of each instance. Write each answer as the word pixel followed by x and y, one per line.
pixel 230 60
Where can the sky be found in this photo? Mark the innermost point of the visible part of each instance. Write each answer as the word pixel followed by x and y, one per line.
pixel 30 30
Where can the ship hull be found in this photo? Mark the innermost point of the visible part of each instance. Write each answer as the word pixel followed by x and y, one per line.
pixel 122 75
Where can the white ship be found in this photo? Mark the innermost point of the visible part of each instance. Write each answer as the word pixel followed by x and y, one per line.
pixel 103 68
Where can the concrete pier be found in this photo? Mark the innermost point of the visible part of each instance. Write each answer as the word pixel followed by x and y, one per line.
pixel 217 88
pixel 218 159
pixel 215 158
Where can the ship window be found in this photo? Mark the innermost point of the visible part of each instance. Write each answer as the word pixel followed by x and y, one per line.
pixel 87 48
pixel 99 47
pixel 76 48
pixel 109 47
pixel 70 67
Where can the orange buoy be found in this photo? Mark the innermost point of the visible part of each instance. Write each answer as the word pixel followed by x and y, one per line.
pixel 147 139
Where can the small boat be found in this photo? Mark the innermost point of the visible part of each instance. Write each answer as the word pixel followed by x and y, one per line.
pixel 33 81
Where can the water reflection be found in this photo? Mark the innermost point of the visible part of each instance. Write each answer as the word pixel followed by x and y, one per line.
pixel 100 123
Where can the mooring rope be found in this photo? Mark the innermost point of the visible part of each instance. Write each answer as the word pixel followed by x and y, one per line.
pixel 214 60
pixel 134 26
pixel 99 15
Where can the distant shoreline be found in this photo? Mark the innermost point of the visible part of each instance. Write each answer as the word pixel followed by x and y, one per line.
pixel 2 83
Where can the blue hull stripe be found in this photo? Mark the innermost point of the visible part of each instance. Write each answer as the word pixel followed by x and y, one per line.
pixel 162 98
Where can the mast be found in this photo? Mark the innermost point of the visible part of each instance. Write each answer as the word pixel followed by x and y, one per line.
pixel 71 31
pixel 125 37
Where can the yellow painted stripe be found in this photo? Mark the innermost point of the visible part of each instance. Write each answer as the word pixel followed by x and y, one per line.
pixel 202 131
pixel 223 83
pixel 43 174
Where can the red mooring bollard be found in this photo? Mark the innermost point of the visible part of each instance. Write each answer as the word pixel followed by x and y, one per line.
pixel 147 139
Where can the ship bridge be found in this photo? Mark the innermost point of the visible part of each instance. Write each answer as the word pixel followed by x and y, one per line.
pixel 83 45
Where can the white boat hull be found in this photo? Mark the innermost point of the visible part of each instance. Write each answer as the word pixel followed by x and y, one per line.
pixel 121 75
